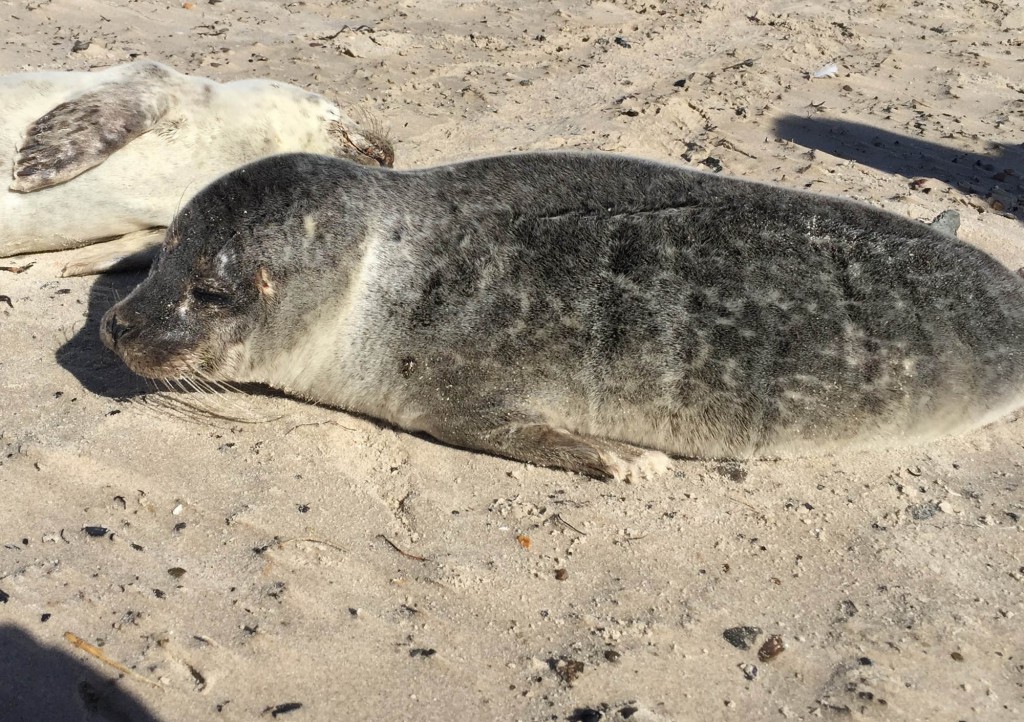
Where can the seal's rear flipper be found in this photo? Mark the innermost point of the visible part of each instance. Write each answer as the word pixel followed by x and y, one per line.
pixel 947 222
pixel 130 252
pixel 81 133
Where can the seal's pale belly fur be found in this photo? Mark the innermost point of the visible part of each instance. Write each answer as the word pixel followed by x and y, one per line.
pixel 93 155
pixel 595 296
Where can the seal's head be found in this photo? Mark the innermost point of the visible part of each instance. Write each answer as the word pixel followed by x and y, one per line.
pixel 364 145
pixel 364 141
pixel 274 117
pixel 193 314
pixel 229 282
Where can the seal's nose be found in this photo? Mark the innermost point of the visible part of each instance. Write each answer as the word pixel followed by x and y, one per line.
pixel 116 328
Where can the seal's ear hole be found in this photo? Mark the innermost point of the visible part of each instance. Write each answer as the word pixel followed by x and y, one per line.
pixel 264 283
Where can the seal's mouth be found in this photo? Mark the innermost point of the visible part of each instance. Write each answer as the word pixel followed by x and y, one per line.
pixel 149 363
pixel 153 358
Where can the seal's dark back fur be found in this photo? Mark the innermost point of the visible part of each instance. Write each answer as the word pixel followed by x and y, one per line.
pixel 751 312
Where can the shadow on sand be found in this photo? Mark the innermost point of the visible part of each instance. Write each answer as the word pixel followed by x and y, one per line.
pixel 85 356
pixel 44 683
pixel 997 176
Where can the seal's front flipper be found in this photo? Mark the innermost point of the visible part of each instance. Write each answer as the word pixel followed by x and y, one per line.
pixel 545 445
pixel 130 252
pixel 947 222
pixel 81 133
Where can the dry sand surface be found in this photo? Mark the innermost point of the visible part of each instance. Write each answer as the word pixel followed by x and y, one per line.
pixel 319 566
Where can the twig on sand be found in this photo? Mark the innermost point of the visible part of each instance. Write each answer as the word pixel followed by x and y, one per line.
pixel 311 540
pixel 96 652
pixel 749 506
pixel 558 518
pixel 317 423
pixel 398 549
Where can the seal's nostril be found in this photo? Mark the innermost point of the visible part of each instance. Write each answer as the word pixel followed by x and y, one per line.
pixel 115 328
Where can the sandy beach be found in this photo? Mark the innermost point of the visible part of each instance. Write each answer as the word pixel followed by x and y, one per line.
pixel 316 566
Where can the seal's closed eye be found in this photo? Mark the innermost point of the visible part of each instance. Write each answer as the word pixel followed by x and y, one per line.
pixel 211 296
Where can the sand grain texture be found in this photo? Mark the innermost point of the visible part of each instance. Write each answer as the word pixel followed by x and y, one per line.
pixel 894 578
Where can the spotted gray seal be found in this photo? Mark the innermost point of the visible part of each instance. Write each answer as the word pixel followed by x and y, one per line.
pixel 94 155
pixel 565 309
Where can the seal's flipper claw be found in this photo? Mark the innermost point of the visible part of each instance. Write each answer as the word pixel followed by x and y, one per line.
pixel 81 133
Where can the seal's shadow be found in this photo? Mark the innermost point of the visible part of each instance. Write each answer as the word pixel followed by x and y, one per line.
pixel 84 355
pixel 1000 175
pixel 44 683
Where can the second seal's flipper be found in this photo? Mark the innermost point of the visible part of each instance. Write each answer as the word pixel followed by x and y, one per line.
pixel 81 133
pixel 130 252
pixel 947 222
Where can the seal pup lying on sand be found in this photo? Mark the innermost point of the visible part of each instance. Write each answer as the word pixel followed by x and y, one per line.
pixel 139 140
pixel 565 309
